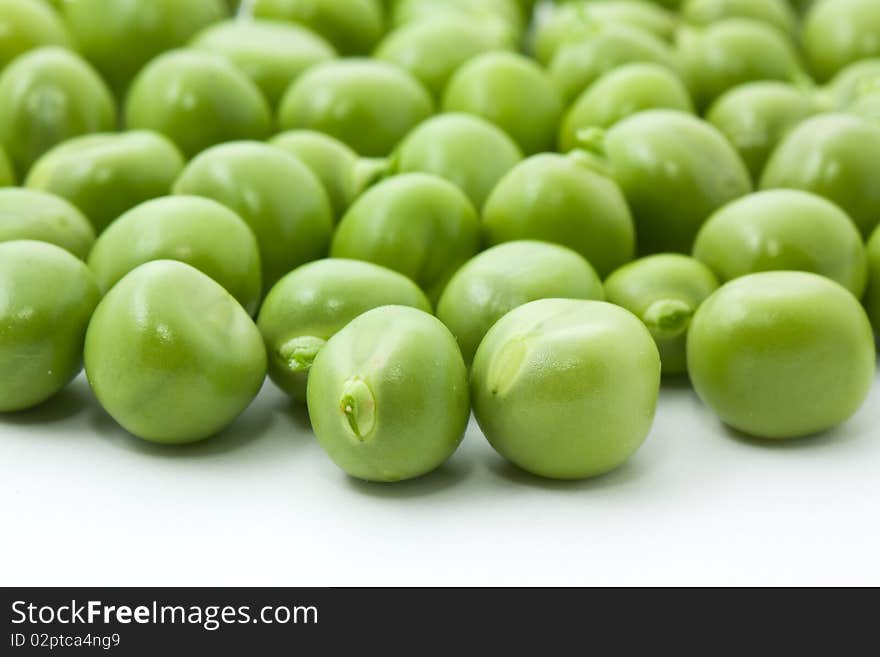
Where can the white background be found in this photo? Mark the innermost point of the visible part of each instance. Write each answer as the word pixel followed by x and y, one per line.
pixel 84 503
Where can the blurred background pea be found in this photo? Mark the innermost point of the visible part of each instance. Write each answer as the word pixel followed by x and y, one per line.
pixel 29 24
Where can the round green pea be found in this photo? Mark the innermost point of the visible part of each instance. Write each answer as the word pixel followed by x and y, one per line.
pixel 196 99
pixel 854 81
pixel 500 15
pixel 506 276
pixel 7 175
pixel 626 90
pixel 872 296
pixel 198 231
pixel 271 53
pixel 838 32
pixel 49 95
pixel 277 195
pixel 352 26
pixel 27 214
pixel 783 229
pixel 756 116
pixel 417 224
pixel 566 388
pixel 781 354
pixel 777 13
pixel 562 199
pixel 28 24
pixel 368 104
pixel 836 156
pixel 120 37
pixel 867 107
pixel 663 290
pixel 314 302
pixel 577 65
pixel 675 170
pixel 512 92
pixel 464 149
pixel 171 356
pixel 106 174
pixel 48 296
pixel 388 395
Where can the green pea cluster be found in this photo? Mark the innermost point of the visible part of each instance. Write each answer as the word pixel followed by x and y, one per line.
pixel 404 211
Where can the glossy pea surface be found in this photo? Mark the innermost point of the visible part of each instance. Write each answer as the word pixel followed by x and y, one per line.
pixel 281 200
pixel 195 230
pixel 46 299
pixel 781 354
pixel 106 174
pixel 171 356
pixel 28 24
pixel 566 388
pixel 838 33
pixel 388 395
pixel 507 276
pixel 314 302
pixel 33 215
pixel 664 291
pixel 854 81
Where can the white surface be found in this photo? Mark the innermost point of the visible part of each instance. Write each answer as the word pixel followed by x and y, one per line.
pixel 83 503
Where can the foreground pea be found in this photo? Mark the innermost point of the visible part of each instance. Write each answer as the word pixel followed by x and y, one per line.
pixel 171 356
pixel 756 116
pixel 836 156
pixel 506 276
pixel 664 291
pixel 417 224
pixel 872 297
pixel 562 199
pixel 367 104
pixel 277 196
pixel 271 53
pixel 783 229
pixel 32 215
pixel 465 150
pixel 196 99
pixel 388 395
pixel 627 90
pixel 48 297
pixel 106 174
pixel 566 388
pixel 512 92
pixel 46 96
pixel 839 32
pixel 28 24
pixel 777 13
pixel 749 360
pixel 314 302
pixel 675 170
pixel 198 231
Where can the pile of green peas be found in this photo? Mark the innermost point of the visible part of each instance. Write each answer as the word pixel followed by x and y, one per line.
pixel 403 211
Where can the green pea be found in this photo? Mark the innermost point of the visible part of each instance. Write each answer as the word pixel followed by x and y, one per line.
pixel 839 33
pixel 48 296
pixel 872 297
pixel 191 229
pixel 836 156
pixel 46 96
pixel 512 92
pixel 577 65
pixel 28 24
pixel 7 175
pixel 500 15
pixel 271 53
pixel 853 82
pixel 675 170
pixel 352 26
pixel 417 224
pixel 626 90
pixel 664 291
pixel 106 174
pixel 367 104
pixel 587 370
pixel 341 171
pixel 732 52
pixel 781 354
pixel 388 395
pixel 464 149
pixel 756 116
pixel 277 196
pixel 783 229
pixel 506 276
pixel 32 215
pixel 171 356
pixel 777 13
pixel 868 107
pixel 314 302
pixel 433 50
pixel 562 199
pixel 196 99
